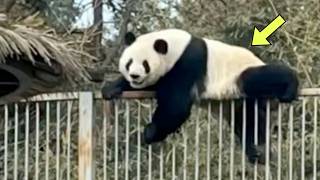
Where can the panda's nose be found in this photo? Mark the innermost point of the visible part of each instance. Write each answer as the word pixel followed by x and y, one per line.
pixel 134 76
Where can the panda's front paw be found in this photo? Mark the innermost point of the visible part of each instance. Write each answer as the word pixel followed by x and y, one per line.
pixel 288 98
pixel 111 93
pixel 152 134
pixel 255 154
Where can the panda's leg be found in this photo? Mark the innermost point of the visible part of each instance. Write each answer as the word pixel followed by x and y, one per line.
pixel 252 152
pixel 115 89
pixel 270 81
pixel 291 91
pixel 172 111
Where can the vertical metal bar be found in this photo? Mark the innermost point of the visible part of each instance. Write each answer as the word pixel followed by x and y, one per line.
pixel 220 140
pixel 185 153
pixel 232 141
pixel 16 126
pixel 173 161
pixel 69 139
pixel 127 141
pixel 139 141
pixel 86 136
pixel 37 140
pixel 161 163
pixel 315 120
pixel 26 145
pixel 255 175
pixel 47 138
pixel 104 142
pixel 244 124
pixel 267 169
pixel 290 141
pixel 150 162
pixel 6 142
pixel 279 140
pixel 197 146
pixel 150 148
pixel 58 142
pixel 303 139
pixel 208 141
pixel 116 134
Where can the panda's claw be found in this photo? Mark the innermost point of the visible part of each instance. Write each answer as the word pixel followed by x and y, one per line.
pixel 287 98
pixel 149 133
pixel 153 135
pixel 257 154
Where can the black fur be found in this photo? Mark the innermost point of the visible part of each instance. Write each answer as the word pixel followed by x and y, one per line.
pixel 269 81
pixel 251 151
pixel 146 66
pixel 161 46
pixel 129 64
pixel 115 89
pixel 129 38
pixel 174 96
pixel 261 83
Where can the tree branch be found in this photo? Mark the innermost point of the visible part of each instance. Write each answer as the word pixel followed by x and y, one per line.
pixel 98 26
pixel 102 68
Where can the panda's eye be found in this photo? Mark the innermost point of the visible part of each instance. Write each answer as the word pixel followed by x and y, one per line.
pixel 146 66
pixel 128 64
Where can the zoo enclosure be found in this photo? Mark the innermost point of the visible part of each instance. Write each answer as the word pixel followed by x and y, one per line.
pixel 76 136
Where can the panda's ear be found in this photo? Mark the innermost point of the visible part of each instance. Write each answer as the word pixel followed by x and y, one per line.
pixel 129 38
pixel 161 46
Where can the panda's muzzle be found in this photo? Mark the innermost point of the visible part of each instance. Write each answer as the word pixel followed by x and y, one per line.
pixel 134 76
pixel 137 82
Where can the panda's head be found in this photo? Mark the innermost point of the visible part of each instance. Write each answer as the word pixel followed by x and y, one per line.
pixel 142 62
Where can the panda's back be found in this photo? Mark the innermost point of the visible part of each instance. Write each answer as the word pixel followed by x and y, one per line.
pixel 224 65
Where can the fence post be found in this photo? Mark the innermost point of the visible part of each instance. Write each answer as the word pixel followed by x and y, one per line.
pixel 86 136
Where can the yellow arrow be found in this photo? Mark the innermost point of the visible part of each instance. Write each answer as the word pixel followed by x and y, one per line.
pixel 260 37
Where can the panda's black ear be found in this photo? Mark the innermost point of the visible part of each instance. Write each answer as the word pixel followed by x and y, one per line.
pixel 129 38
pixel 161 46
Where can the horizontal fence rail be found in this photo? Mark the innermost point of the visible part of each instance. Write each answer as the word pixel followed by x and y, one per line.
pixel 80 136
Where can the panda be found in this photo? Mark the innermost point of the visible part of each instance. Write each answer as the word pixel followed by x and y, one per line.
pixel 182 68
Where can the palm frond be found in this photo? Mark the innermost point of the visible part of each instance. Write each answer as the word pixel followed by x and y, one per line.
pixel 20 41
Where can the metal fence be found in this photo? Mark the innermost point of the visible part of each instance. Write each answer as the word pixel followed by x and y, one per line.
pixel 80 136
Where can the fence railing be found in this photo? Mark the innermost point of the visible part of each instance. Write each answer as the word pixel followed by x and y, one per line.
pixel 80 136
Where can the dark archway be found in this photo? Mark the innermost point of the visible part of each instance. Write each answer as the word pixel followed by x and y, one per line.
pixel 22 79
pixel 8 82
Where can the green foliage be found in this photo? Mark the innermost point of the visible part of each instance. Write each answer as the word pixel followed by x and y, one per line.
pixel 295 43
pixel 59 14
pixel 153 15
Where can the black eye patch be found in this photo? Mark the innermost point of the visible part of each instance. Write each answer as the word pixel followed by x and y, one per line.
pixel 128 64
pixel 146 66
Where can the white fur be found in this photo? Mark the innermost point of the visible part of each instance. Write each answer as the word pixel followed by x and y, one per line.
pixel 225 64
pixel 142 49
